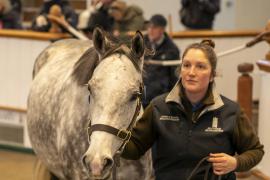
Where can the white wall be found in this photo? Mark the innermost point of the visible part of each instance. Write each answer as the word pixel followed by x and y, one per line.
pixel 16 63
pixel 264 123
pixel 252 14
pixel 225 19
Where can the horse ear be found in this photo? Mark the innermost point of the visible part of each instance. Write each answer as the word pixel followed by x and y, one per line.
pixel 99 40
pixel 137 44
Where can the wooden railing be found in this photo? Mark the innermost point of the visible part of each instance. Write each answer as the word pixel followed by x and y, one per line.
pixel 216 33
pixel 14 109
pixel 32 34
pixel 181 34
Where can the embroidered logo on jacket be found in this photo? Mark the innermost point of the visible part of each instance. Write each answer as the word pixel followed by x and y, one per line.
pixel 169 118
pixel 214 127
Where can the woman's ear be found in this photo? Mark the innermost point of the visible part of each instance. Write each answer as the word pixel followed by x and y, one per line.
pixel 213 75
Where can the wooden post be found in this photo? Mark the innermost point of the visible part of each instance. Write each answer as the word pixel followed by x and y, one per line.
pixel 244 90
pixel 244 97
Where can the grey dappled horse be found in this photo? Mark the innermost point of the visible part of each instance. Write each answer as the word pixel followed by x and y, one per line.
pixel 59 110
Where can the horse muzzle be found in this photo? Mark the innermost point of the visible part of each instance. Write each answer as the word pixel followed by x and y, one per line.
pixel 98 168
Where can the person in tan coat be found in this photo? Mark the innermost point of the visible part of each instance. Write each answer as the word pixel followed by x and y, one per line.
pixel 127 18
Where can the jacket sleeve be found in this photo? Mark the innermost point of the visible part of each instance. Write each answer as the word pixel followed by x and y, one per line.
pixel 143 136
pixel 248 147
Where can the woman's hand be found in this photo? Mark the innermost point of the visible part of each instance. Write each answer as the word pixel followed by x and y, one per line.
pixel 222 163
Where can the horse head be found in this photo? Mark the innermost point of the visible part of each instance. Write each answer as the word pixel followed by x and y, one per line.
pixel 114 96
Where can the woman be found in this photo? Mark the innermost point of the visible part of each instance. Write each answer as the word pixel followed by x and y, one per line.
pixel 193 122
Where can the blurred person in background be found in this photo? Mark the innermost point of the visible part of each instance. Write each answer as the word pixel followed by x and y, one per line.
pixel 10 14
pixel 42 23
pixel 199 14
pixel 96 15
pixel 126 18
pixel 159 79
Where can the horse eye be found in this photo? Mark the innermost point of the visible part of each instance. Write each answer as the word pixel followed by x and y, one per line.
pixel 134 96
pixel 89 88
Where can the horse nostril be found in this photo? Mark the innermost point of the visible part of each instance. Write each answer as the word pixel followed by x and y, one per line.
pixel 108 163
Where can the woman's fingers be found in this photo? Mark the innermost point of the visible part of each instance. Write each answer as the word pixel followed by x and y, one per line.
pixel 222 163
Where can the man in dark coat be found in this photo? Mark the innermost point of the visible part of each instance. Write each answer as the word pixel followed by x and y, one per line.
pixel 159 79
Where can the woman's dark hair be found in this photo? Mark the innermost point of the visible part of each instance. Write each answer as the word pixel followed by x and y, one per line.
pixel 207 46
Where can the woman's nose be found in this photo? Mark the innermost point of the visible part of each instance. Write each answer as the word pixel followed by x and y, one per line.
pixel 192 71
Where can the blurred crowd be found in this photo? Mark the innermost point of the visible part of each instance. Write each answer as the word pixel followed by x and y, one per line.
pixel 115 16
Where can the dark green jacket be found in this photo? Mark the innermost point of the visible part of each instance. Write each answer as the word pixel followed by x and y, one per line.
pixel 180 137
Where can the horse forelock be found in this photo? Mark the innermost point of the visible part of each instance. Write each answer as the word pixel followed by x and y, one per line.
pixel 85 66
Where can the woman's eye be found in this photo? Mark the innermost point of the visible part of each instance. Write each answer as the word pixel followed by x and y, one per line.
pixel 186 65
pixel 201 66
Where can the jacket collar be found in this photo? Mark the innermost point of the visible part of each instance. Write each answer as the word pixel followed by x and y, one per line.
pixel 175 96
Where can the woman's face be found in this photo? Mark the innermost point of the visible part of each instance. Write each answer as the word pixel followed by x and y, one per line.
pixel 196 72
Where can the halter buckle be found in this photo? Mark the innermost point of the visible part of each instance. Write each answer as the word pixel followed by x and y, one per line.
pixel 124 134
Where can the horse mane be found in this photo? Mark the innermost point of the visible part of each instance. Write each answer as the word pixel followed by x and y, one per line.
pixel 85 66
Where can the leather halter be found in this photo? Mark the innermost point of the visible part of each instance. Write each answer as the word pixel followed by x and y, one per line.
pixel 123 134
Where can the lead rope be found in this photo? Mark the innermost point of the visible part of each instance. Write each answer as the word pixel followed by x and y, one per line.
pixel 117 164
pixel 193 172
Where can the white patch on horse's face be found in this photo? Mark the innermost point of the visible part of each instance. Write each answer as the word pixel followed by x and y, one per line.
pixel 112 88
